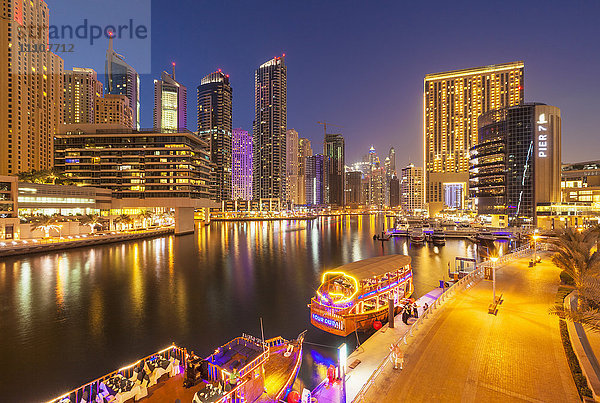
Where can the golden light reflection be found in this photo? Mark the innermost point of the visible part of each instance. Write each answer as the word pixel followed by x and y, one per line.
pixel 96 314
pixel 137 294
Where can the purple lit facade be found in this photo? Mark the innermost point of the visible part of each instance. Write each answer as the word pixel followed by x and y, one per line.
pixel 241 177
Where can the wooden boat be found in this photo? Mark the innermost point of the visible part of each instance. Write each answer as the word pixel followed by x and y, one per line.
pixel 352 297
pixel 417 236
pixel 265 372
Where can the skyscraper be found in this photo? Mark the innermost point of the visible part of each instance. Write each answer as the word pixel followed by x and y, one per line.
pixel 113 109
pixel 516 164
pixel 392 157
pixel 291 162
pixel 304 151
pixel 452 103
pixel 394 184
pixel 334 148
pixel 354 190
pixel 411 190
pixel 316 179
pixel 269 129
pixel 82 88
pixel 31 84
pixel 122 79
pixel 241 176
pixel 170 103
pixel 214 125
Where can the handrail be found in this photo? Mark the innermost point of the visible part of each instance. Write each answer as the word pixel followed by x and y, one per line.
pixel 465 282
pixel 178 352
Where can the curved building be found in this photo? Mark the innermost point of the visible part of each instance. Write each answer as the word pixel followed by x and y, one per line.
pixel 516 163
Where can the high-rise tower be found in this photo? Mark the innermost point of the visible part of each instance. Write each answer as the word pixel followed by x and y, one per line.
pixel 334 148
pixel 214 126
pixel 82 88
pixel 122 79
pixel 270 125
pixel 452 103
pixel 242 165
pixel 31 83
pixel 170 103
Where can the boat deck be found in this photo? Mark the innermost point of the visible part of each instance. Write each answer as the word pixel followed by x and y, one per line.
pixel 279 371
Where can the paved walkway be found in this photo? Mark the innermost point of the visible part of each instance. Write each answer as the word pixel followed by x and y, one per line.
pixel 465 354
pixel 373 351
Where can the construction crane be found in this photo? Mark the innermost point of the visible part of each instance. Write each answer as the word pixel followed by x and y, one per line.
pixel 325 126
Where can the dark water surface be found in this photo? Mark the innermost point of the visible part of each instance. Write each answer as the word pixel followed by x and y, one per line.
pixel 69 317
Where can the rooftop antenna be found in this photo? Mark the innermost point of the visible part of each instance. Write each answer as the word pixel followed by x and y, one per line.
pixel 173 63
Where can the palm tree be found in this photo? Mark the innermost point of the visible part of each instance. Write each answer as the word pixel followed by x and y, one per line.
pixel 578 256
pixel 45 223
pixel 93 220
pixel 124 220
pixel 144 216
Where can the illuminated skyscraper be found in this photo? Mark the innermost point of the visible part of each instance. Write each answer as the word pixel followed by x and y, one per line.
pixel 452 103
pixel 82 88
pixel 304 151
pixel 270 125
pixel 411 190
pixel 31 86
pixel 291 162
pixel 242 165
pixel 113 109
pixel 122 79
pixel 214 126
pixel 316 179
pixel 170 103
pixel 334 148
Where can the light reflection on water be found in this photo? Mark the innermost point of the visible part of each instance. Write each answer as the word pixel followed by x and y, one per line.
pixel 72 316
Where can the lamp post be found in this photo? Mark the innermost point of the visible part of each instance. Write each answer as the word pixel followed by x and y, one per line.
pixel 535 238
pixel 494 259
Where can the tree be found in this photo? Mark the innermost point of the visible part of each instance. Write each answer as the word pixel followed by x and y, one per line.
pixel 45 223
pixel 124 220
pixel 144 216
pixel 578 256
pixel 92 220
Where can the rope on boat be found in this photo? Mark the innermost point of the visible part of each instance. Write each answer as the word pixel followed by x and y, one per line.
pixel 320 345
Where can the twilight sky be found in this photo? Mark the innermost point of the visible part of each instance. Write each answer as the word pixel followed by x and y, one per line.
pixel 361 64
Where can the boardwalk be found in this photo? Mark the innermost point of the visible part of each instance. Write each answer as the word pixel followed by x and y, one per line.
pixel 467 355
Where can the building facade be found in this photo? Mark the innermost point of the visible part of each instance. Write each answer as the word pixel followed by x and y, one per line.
pixel 304 151
pixel 82 88
pixel 412 190
pixel 291 162
pixel 122 79
pixel 137 164
pixel 334 148
pixel 269 129
pixel 242 165
pixel 354 190
pixel 170 103
pixel 214 126
pixel 31 82
pixel 452 104
pixel 316 180
pixel 580 182
pixel 113 109
pixel 516 164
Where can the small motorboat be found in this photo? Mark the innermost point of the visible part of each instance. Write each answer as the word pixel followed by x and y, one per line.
pixel 438 237
pixel 417 236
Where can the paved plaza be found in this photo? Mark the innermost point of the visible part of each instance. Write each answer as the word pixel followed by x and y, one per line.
pixel 465 354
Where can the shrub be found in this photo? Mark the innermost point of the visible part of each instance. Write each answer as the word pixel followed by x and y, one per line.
pixel 578 377
pixel 566 278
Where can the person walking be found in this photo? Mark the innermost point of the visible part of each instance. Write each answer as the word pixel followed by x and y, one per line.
pixel 425 306
pixel 405 315
pixel 415 311
pixel 396 356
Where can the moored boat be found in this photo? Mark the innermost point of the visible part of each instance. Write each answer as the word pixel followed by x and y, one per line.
pixel 352 297
pixel 438 237
pixel 245 369
pixel 417 236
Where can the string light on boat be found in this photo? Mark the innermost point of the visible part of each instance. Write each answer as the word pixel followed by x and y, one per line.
pixel 344 299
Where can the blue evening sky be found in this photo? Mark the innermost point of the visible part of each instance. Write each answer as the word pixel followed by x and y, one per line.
pixel 359 64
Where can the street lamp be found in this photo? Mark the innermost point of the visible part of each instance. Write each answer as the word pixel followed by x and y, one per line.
pixel 535 238
pixel 494 259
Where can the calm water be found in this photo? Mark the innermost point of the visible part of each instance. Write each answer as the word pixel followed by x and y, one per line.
pixel 69 317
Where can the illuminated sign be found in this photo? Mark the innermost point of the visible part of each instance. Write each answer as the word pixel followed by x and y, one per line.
pixel 327 321
pixel 542 135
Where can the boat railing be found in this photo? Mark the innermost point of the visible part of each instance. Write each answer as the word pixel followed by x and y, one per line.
pixel 465 283
pixel 324 311
pixel 276 341
pixel 215 372
pixel 127 371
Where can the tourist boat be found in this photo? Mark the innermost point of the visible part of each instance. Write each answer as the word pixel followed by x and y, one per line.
pixel 244 370
pixel 438 237
pixel 417 236
pixel 352 297
pixel 485 235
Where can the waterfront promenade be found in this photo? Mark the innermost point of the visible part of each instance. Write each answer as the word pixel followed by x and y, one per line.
pixel 465 354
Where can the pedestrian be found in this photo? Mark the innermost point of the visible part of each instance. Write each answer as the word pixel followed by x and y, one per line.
pixel 331 374
pixel 425 306
pixel 405 315
pixel 396 356
pixel 415 311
